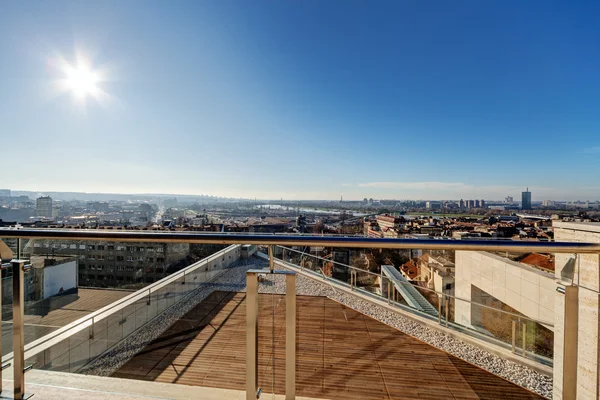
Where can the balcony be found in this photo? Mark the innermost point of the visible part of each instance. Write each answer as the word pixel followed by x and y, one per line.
pixel 359 333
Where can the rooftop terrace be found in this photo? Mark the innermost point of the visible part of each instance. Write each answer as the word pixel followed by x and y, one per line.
pixel 53 313
pixel 354 337
pixel 341 354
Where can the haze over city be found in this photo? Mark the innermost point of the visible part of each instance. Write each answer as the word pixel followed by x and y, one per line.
pixel 314 100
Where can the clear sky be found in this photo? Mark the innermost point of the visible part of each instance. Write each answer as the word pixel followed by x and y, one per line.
pixel 304 99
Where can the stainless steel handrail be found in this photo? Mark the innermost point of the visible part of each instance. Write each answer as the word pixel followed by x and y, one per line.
pixel 296 240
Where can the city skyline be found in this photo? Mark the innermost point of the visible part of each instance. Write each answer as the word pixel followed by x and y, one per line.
pixel 105 196
pixel 303 100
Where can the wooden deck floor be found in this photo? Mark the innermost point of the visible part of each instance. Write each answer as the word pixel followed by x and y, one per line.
pixel 341 354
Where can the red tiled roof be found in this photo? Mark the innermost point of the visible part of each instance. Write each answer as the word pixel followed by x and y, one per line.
pixel 410 269
pixel 539 260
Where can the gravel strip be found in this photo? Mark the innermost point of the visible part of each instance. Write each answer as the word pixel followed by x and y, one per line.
pixel 511 371
pixel 232 279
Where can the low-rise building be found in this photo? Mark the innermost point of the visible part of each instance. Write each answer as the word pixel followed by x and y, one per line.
pixel 114 264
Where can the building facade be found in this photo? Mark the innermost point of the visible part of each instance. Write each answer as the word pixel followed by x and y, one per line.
pixel 43 207
pixel 115 264
pixel 526 200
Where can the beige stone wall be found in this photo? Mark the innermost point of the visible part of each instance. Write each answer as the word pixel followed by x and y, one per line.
pixel 586 275
pixel 524 288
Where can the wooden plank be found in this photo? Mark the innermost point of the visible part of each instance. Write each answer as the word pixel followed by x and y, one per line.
pixel 340 354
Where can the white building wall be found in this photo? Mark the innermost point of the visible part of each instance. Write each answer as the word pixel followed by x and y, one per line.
pixel 59 276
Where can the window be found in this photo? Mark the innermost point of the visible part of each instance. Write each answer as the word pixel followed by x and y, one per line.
pixel 110 247
pixel 120 248
pixel 139 249
pixel 110 258
pixel 120 258
pixel 130 248
pixel 55 245
pixel 141 259
pixel 73 246
pixel 129 258
pixel 129 269
pixel 46 244
pixel 36 245
pixel 91 247
pixel 160 250
pixel 100 247
pixel 99 267
pixel 150 249
pixel 63 246
pixel 100 257
pixel 150 259
pixel 119 268
pixel 160 260
pixel 82 247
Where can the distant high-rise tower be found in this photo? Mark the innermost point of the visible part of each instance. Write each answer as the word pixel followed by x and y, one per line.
pixel 526 200
pixel 43 207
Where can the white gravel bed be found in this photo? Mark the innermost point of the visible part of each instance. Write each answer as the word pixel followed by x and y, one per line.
pixel 511 371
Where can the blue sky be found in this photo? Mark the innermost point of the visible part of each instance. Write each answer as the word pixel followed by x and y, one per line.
pixel 305 99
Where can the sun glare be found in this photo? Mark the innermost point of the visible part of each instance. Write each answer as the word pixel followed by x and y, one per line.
pixel 81 81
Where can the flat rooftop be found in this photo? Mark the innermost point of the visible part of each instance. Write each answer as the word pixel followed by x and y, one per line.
pixel 55 312
pixel 341 353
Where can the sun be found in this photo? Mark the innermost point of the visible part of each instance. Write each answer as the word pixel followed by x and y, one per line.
pixel 81 80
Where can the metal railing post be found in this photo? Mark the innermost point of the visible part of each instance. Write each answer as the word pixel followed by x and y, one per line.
pixel 524 338
pixel 440 299
pixel 271 261
pixel 290 337
pixel 251 335
pixel 447 309
pixel 514 335
pixel 570 342
pixel 388 292
pixel 18 267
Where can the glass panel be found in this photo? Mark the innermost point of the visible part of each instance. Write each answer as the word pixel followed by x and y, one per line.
pixel 425 283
